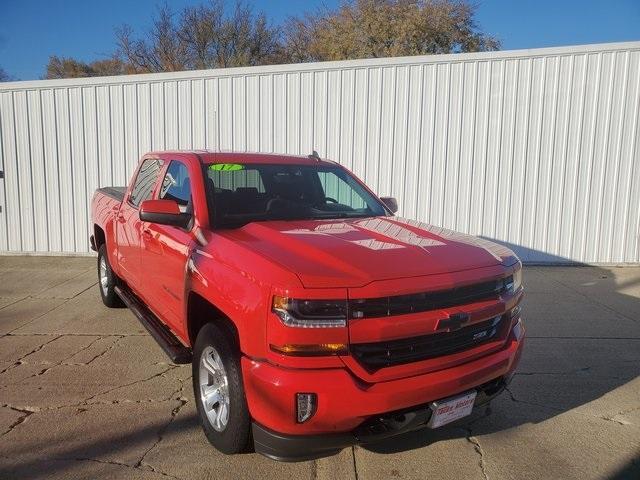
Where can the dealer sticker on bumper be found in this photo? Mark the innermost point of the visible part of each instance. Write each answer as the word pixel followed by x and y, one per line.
pixel 451 409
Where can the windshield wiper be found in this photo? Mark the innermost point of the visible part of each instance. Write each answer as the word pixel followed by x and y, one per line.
pixel 340 215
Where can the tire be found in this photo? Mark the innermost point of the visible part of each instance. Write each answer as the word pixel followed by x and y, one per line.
pixel 107 280
pixel 214 348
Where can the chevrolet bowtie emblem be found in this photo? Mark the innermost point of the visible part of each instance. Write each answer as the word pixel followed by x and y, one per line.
pixel 455 322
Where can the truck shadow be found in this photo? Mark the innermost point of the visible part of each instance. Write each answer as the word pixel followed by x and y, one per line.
pixel 583 339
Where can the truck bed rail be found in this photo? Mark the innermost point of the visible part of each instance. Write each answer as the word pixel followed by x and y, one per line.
pixel 116 193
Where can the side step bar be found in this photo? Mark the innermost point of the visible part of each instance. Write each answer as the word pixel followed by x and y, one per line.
pixel 176 351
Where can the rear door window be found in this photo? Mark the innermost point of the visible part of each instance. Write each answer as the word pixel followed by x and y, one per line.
pixel 145 181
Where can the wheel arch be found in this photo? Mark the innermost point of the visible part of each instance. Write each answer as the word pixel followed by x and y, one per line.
pixel 99 236
pixel 201 311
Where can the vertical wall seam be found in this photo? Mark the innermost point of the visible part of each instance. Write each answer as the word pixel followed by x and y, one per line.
pixel 445 141
pixel 406 138
pixel 44 163
pixel 634 144
pixel 379 153
pixel 565 155
pixel 538 151
pixel 71 163
pixel 353 118
pixel 503 82
pixel 419 157
pixel 459 140
pixel 485 158
pixel 30 153
pixel 527 124
pixel 4 212
pixel 549 179
pixel 594 124
pixel 618 150
pixel 472 144
pixel 124 132
pixel 85 187
pixel 604 158
pixel 95 106
pixel 137 104
pixel 578 147
pixel 110 135
pixel 17 168
pixel 55 124
pixel 511 158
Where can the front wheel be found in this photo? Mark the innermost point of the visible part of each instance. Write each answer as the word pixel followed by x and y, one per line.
pixel 219 392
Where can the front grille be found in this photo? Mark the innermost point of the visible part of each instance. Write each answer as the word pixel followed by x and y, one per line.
pixel 425 301
pixel 377 355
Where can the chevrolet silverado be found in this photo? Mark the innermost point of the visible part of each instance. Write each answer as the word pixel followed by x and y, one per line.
pixel 312 316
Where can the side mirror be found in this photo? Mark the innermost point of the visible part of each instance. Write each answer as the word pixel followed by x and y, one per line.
pixel 391 203
pixel 164 212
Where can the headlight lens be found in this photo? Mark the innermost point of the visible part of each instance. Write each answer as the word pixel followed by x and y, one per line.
pixel 310 313
pixel 513 282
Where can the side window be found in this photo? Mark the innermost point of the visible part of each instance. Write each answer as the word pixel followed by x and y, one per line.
pixel 338 189
pixel 176 184
pixel 145 181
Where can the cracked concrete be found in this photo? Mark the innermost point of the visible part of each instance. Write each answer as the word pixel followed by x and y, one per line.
pixel 478 448
pixel 85 392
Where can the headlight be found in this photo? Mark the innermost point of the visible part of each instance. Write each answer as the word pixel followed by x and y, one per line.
pixel 514 282
pixel 310 313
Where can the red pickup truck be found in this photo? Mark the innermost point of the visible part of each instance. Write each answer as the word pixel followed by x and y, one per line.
pixel 313 317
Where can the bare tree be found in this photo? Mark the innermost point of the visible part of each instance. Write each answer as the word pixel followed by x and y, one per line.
pixel 65 67
pixel 164 51
pixel 205 36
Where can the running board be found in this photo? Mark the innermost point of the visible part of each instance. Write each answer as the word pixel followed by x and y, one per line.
pixel 176 351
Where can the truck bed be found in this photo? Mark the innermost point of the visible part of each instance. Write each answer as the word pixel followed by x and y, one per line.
pixel 117 193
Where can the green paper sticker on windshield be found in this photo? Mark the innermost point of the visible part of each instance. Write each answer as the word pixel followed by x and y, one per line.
pixel 226 167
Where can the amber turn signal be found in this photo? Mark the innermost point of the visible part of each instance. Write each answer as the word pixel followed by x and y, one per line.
pixel 313 350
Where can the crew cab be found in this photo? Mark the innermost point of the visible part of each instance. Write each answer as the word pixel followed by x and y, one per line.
pixel 313 317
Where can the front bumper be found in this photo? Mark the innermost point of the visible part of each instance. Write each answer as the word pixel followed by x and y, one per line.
pixel 347 406
pixel 297 448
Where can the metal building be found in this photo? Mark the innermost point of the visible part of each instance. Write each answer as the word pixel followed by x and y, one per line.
pixel 538 149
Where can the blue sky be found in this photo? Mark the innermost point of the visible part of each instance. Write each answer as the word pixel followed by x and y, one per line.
pixel 32 30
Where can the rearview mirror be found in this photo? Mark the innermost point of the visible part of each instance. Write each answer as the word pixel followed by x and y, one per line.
pixel 391 203
pixel 164 212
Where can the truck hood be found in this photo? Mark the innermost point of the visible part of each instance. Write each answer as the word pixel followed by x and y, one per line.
pixel 353 253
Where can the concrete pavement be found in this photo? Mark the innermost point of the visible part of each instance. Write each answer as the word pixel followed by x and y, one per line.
pixel 85 392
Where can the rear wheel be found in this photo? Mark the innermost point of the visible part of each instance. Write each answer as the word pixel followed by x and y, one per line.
pixel 107 280
pixel 219 392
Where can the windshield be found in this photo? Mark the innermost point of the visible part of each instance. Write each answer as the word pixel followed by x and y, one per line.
pixel 242 193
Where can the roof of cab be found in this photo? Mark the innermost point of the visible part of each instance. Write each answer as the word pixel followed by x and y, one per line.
pixel 208 157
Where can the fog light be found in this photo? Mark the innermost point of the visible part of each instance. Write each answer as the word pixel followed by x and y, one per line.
pixel 306 405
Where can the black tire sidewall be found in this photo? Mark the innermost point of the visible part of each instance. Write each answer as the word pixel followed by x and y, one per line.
pixel 235 437
pixel 110 298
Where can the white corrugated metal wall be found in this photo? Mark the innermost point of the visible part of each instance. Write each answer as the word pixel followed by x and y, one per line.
pixel 538 149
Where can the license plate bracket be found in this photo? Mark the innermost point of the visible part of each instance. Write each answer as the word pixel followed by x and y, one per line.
pixel 451 409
